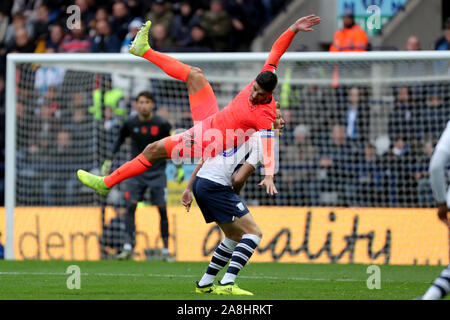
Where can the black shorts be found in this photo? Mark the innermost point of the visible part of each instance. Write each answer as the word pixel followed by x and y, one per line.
pixel 138 185
pixel 217 202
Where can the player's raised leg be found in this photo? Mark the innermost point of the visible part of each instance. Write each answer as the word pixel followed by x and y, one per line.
pixel 102 185
pixel 202 100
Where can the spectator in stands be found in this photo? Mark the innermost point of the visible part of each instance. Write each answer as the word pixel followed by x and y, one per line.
pixel 120 19
pixel 298 163
pixel 355 115
pixel 398 181
pixel 334 164
pixel 245 26
pixel 161 13
pixel 402 118
pixel 18 21
pixel 105 40
pixel 411 68
pixel 182 24
pixel 4 22
pixel 22 42
pixel 41 27
pixel 26 6
pixel 56 38
pixel 30 164
pixel 47 77
pixel 432 118
pixel 101 13
pixel 137 7
pixel 80 127
pixel 133 28
pixel 412 44
pixel 159 39
pixel 76 41
pixel 303 151
pixel 368 179
pixel 59 185
pixel 45 122
pixel 421 174
pixel 443 43
pixel 198 41
pixel 351 37
pixel 218 26
pixel 87 12
pixel 316 107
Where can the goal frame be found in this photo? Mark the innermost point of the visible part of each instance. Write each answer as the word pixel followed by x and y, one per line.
pixel 13 59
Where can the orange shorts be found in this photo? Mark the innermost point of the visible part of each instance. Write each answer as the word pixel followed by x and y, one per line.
pixel 200 141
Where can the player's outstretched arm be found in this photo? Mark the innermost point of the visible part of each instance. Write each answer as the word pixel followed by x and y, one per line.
pixel 187 197
pixel 305 24
pixel 280 46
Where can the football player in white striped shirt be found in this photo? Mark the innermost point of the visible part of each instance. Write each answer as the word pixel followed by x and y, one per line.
pixel 216 183
pixel 438 164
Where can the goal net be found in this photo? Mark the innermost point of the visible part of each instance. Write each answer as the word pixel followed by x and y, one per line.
pixel 359 128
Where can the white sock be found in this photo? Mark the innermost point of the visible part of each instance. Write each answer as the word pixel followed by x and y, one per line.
pixel 165 250
pixel 440 287
pixel 432 293
pixel 226 247
pixel 127 247
pixel 241 254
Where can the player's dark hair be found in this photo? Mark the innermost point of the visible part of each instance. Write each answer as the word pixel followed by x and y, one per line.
pixel 267 80
pixel 146 94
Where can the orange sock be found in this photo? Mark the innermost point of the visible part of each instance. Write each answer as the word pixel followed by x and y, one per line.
pixel 169 65
pixel 128 170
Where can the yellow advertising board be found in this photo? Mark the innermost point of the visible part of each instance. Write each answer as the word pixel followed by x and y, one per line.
pixel 290 234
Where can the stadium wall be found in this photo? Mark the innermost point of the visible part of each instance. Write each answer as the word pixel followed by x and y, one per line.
pixel 398 236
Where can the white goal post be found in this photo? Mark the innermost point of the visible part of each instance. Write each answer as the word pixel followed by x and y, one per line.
pixel 374 70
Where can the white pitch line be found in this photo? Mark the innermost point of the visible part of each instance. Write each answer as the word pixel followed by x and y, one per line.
pixel 176 276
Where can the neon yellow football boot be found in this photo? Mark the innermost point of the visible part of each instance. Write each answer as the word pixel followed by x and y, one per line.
pixel 95 182
pixel 210 288
pixel 140 45
pixel 232 289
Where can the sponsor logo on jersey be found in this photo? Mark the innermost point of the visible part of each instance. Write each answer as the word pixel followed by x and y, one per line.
pixel 154 130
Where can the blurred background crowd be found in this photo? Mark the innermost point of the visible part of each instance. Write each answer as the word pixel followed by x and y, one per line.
pixel 327 155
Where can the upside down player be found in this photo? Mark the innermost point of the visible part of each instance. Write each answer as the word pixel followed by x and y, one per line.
pixel 252 109
pixel 144 128
pixel 216 190
pixel 438 166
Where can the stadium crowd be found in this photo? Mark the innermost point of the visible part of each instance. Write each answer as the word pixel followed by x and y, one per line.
pixel 327 156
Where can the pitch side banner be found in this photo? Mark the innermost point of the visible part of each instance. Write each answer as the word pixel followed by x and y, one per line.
pixel 290 234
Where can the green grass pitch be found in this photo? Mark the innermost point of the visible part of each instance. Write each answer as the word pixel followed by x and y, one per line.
pixel 157 280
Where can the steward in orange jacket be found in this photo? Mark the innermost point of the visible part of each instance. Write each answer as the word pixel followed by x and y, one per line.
pixel 351 37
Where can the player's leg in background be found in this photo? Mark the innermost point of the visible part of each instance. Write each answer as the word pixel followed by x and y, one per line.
pixel 440 287
pixel 133 194
pixel 159 198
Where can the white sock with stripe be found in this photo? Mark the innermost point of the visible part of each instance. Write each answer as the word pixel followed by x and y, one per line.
pixel 220 258
pixel 240 257
pixel 440 287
